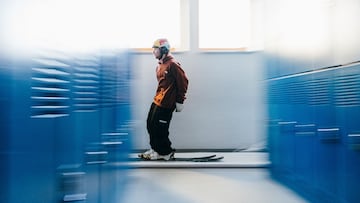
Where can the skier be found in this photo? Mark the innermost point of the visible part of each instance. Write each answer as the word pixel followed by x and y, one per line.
pixel 170 96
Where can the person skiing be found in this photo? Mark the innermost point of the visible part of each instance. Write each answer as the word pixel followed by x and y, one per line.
pixel 169 97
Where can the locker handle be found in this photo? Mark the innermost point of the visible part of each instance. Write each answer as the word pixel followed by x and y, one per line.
pixel 305 129
pixel 96 157
pixel 354 141
pixel 75 197
pixel 287 126
pixel 328 129
pixel 112 143
pixel 329 135
pixel 97 153
pixel 286 122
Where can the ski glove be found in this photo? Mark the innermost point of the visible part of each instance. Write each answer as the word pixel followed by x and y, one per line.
pixel 179 107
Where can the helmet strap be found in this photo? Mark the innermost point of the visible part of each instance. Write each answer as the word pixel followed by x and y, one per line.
pixel 163 55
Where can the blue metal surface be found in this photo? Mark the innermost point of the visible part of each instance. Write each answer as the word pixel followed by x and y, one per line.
pixel 314 134
pixel 63 122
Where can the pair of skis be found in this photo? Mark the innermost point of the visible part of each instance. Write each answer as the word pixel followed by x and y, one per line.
pixel 210 158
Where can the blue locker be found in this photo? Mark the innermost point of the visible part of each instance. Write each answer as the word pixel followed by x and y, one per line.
pixel 60 115
pixel 282 127
pixel 347 103
pixel 110 143
pixel 31 143
pixel 327 136
pixel 328 153
pixel 5 105
pixel 273 95
pixel 305 132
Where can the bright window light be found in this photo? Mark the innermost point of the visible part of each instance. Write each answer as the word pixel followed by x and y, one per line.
pixel 224 24
pixel 149 20
pixel 87 25
pixel 304 35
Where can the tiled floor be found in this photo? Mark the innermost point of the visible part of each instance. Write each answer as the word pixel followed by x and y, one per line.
pixel 235 179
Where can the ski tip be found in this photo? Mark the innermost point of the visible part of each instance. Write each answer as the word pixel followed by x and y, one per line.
pixel 213 159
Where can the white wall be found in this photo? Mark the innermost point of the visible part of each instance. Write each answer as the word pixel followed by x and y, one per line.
pixel 225 101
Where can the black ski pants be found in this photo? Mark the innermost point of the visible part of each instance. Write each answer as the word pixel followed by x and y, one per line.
pixel 158 122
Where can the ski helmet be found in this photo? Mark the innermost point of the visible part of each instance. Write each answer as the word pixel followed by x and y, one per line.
pixel 163 44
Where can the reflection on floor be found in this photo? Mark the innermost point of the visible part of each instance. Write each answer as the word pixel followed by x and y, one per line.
pixel 207 185
pixel 239 177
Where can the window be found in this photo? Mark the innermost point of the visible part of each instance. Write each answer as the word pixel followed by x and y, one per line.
pixel 146 21
pixel 101 24
pixel 227 24
pixel 97 24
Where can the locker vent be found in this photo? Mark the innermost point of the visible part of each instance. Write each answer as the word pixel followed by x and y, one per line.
pixel 320 91
pixel 86 85
pixel 108 83
pixel 277 93
pixel 339 89
pixel 289 93
pixel 50 89
pixel 347 90
pixel 297 92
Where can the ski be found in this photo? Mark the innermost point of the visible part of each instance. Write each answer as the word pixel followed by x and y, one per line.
pixel 209 158
pixel 193 158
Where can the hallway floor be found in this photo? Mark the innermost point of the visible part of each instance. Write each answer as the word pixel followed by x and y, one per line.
pixel 209 185
pixel 239 177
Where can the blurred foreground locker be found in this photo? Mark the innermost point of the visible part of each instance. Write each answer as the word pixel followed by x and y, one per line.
pixel 62 126
pixel 314 132
pixel 314 99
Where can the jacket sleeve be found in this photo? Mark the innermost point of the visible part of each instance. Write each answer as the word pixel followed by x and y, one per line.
pixel 181 83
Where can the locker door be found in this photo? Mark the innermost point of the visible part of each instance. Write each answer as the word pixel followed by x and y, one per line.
pixel 305 133
pixel 51 104
pixel 328 132
pixel 347 102
pixel 5 106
